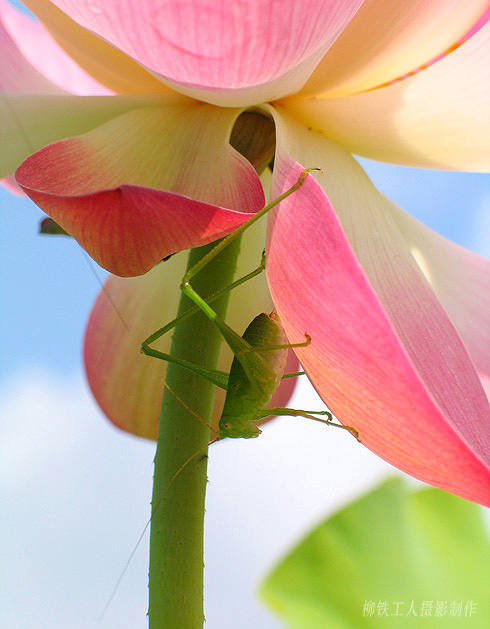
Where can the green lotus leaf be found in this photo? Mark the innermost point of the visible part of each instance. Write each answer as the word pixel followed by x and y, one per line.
pixel 394 558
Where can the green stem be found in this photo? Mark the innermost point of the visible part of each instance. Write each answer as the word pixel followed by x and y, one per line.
pixel 177 526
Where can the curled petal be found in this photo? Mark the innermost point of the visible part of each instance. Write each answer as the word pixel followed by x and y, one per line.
pixel 42 53
pixel 29 122
pixel 127 385
pixel 434 119
pixel 386 40
pixel 216 50
pixel 146 184
pixel 384 354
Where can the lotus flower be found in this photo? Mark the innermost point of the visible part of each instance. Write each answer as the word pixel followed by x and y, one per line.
pixel 398 316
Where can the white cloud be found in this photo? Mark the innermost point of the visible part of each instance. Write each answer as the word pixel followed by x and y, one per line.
pixel 36 422
pixel 76 497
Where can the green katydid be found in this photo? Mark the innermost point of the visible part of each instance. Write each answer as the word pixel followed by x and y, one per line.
pixel 259 355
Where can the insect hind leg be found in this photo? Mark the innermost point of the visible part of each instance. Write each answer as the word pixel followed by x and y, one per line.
pixel 292 412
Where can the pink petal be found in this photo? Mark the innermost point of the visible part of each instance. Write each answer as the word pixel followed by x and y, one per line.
pixel 98 58
pixel 461 281
pixel 214 50
pixel 435 119
pixel 127 385
pixel 40 50
pixel 12 186
pixel 486 384
pixel 16 72
pixel 386 40
pixel 384 355
pixel 29 122
pixel 146 184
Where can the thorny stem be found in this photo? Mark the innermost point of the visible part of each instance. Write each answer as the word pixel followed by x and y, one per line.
pixel 176 540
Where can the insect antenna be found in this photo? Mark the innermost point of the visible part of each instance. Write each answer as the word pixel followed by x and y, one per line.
pixel 189 409
pixel 103 288
pixel 160 500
